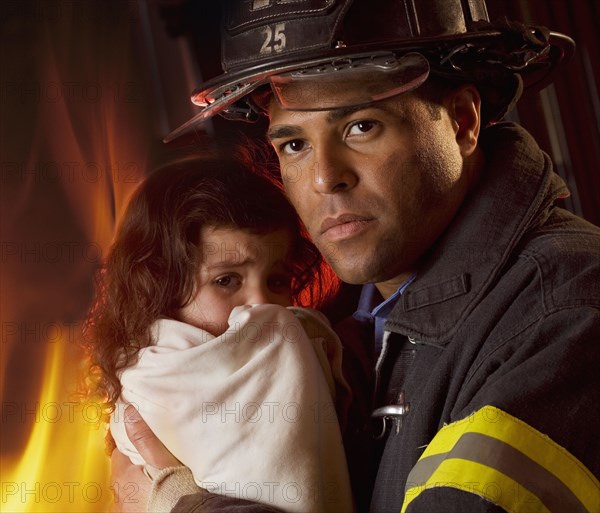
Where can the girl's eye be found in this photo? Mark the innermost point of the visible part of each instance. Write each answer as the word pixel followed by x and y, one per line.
pixel 280 283
pixel 227 281
pixel 293 146
pixel 361 127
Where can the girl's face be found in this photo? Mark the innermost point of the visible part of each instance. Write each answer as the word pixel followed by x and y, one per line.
pixel 238 268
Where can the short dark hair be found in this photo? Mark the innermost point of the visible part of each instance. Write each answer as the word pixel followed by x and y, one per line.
pixel 496 99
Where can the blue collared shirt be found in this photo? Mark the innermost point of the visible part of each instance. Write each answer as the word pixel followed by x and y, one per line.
pixel 372 309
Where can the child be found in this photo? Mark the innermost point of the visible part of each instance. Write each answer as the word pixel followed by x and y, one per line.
pixel 194 325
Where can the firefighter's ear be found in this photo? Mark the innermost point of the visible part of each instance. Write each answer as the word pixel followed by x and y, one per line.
pixel 464 108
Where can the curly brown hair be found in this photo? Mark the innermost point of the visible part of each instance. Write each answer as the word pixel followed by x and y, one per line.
pixel 151 268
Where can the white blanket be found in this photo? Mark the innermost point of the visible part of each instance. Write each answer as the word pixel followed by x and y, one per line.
pixel 250 412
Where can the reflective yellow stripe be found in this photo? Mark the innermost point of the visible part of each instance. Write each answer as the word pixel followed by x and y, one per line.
pixel 472 477
pixel 499 457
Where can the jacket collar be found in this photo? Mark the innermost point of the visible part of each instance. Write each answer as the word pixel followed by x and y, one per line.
pixel 514 194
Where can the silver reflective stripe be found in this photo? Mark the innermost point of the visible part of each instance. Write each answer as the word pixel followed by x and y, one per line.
pixel 504 458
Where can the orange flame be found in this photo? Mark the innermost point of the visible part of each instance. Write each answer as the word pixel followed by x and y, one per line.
pixel 62 467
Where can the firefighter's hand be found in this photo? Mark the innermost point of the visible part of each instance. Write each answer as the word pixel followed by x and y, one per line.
pixel 131 483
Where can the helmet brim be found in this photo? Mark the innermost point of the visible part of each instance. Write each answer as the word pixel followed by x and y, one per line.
pixel 217 95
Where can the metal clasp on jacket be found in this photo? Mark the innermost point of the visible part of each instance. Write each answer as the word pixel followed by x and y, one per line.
pixel 393 413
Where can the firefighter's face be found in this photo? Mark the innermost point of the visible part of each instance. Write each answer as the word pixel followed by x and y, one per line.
pixel 377 185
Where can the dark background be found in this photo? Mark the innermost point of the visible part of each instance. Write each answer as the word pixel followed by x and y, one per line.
pixel 88 91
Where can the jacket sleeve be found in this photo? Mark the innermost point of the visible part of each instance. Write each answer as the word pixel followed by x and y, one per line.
pixel 206 502
pixel 525 438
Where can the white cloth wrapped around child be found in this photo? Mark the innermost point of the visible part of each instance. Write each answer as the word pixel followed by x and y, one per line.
pixel 252 411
